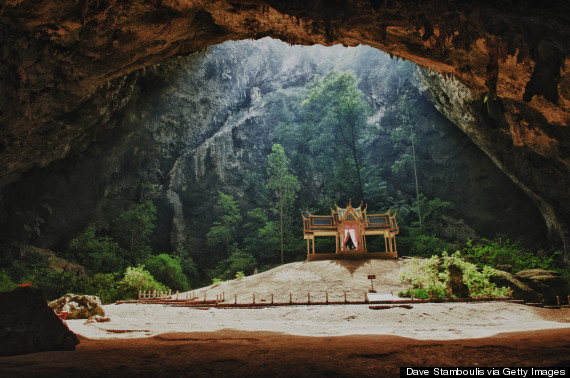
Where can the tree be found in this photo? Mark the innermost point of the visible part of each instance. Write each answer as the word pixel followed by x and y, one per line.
pixel 282 181
pixel 167 270
pixel 261 236
pixel 132 229
pixel 337 103
pixel 224 231
pixel 404 135
pixel 99 254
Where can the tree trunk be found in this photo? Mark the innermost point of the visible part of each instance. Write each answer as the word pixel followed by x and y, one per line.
pixel 417 188
pixel 281 203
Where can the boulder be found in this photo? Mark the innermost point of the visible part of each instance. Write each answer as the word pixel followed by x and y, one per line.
pixel 78 306
pixel 534 285
pixel 28 325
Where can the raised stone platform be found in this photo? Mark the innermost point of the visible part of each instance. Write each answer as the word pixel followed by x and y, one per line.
pixel 351 256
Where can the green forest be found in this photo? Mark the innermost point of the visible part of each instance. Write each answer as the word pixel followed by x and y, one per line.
pixel 325 152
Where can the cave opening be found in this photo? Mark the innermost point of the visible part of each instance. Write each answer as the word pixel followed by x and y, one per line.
pixel 195 138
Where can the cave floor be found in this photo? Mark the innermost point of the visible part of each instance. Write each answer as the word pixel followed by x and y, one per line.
pixel 304 341
pixel 246 354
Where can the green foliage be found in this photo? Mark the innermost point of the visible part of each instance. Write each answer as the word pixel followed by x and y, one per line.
pixel 6 283
pixel 337 106
pixel 431 275
pixel 135 279
pixel 216 281
pixel 103 285
pixel 495 253
pixel 189 266
pixel 32 222
pixel 238 261
pixel 261 236
pixel 223 232
pixel 282 181
pixel 98 254
pixel 132 230
pixel 240 275
pixel 424 245
pixel 167 270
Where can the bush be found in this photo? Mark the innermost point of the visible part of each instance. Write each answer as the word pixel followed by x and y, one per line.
pixel 6 283
pixel 423 245
pixel 431 275
pixel 103 285
pixel 167 269
pixel 495 253
pixel 99 254
pixel 136 279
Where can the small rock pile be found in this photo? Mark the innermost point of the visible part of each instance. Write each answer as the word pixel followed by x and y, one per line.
pixel 78 306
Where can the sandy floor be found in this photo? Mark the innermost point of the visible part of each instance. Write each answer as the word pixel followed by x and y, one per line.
pixel 425 321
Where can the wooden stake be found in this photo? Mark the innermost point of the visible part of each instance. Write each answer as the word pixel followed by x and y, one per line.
pixel 345 296
pixel 290 298
pixel 204 296
pixel 308 297
pixel 177 294
pixel 327 297
pixel 139 294
pixel 271 298
pixel 558 300
pixel 510 292
pixel 235 298
pixel 253 298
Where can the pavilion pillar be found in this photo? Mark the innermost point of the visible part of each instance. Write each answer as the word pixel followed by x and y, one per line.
pixel 386 242
pixel 313 245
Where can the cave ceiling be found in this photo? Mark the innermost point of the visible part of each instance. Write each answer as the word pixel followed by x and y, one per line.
pixel 65 66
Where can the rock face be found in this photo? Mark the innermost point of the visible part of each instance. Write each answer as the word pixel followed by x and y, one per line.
pixel 78 306
pixel 28 325
pixel 68 70
pixel 535 285
pixel 202 123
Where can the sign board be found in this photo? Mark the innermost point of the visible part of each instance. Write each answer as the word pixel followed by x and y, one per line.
pixel 371 276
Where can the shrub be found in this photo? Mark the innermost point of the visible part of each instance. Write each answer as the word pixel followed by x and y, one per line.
pixel 495 253
pixel 99 254
pixel 103 285
pixel 431 275
pixel 135 279
pixel 6 283
pixel 167 269
pixel 240 275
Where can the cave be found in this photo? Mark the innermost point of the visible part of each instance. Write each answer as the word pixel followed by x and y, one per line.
pixel 87 95
pixel 69 70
